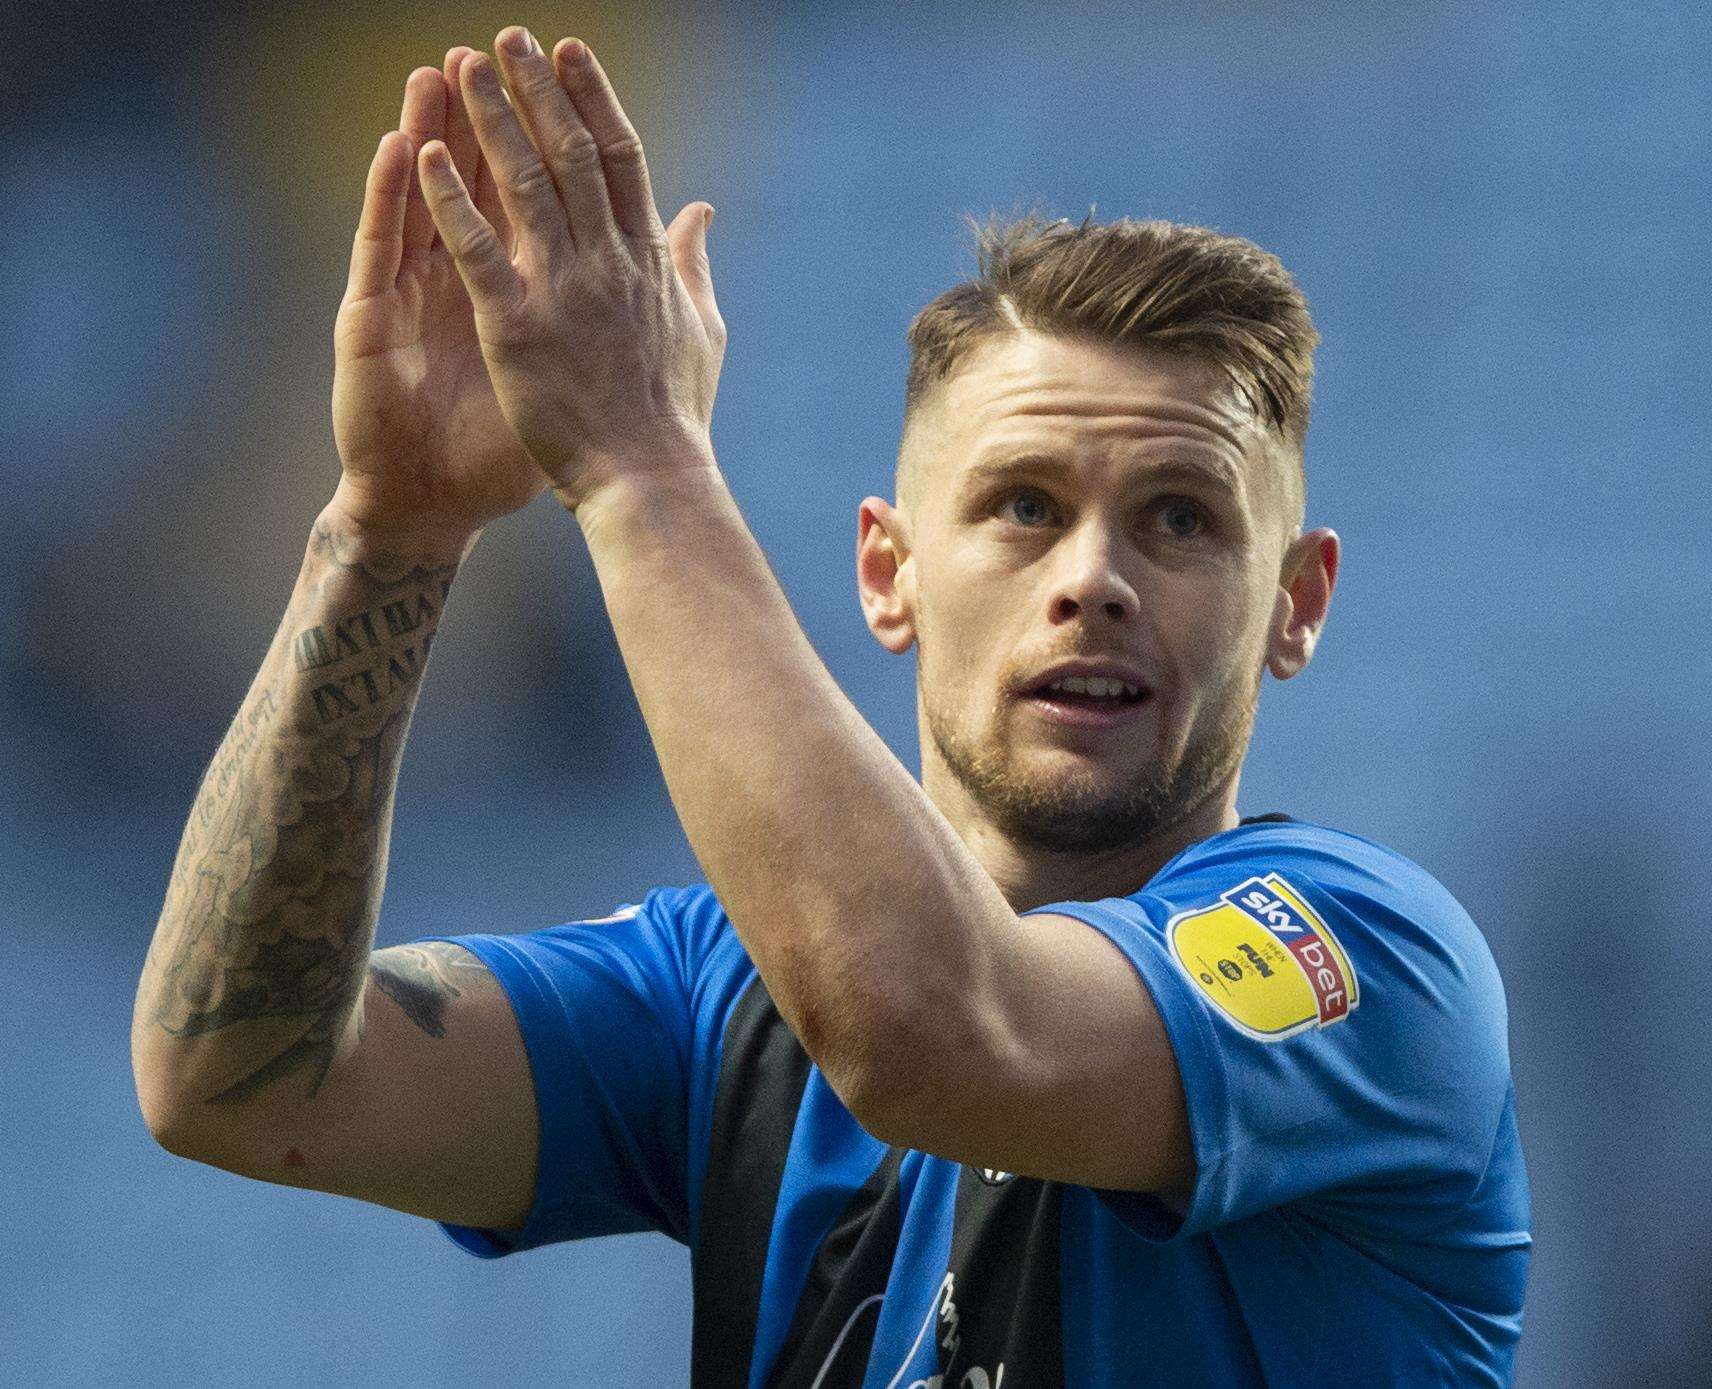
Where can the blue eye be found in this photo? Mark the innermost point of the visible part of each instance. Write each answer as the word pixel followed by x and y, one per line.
pixel 1183 519
pixel 1027 508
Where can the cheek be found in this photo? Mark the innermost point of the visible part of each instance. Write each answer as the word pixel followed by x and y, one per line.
pixel 960 662
pixel 955 614
pixel 1208 632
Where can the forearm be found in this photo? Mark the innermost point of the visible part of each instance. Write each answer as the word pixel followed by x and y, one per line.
pixel 865 914
pixel 259 957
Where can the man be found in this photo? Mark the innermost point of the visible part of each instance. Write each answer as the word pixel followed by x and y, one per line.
pixel 1050 1069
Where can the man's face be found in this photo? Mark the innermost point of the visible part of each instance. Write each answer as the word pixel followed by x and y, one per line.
pixel 1114 515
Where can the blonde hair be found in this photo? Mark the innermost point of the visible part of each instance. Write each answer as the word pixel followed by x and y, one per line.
pixel 1181 288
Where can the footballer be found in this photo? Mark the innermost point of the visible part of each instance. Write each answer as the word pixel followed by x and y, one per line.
pixel 1052 1068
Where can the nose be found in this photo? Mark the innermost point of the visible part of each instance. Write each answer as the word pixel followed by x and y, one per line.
pixel 1089 583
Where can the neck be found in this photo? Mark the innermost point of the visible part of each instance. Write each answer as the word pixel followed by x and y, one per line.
pixel 1032 877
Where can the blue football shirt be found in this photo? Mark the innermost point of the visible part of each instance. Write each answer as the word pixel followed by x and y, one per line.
pixel 1360 1208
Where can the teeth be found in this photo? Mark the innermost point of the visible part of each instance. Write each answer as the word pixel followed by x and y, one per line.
pixel 1097 685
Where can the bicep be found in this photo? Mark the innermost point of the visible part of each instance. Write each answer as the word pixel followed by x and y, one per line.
pixel 1064 1071
pixel 429 1107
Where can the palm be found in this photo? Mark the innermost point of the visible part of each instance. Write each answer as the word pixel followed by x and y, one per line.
pixel 420 435
pixel 414 413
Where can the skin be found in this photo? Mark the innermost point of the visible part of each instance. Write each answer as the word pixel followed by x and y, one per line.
pixel 880 912
pixel 254 982
pixel 1092 552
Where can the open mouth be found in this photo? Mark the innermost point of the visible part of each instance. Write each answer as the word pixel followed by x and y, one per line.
pixel 1088 700
pixel 1092 691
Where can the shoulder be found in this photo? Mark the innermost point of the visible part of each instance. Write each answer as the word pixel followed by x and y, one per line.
pixel 709 958
pixel 1337 858
pixel 1417 958
pixel 1372 882
pixel 658 947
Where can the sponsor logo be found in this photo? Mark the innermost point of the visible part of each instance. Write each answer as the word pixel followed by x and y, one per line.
pixel 950 1337
pixel 1298 976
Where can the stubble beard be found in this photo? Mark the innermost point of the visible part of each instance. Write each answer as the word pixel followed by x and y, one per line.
pixel 1082 813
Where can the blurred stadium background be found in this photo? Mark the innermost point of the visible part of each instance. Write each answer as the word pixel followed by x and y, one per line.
pixel 1500 215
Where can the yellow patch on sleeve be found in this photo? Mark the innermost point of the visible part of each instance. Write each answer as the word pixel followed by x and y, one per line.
pixel 1265 959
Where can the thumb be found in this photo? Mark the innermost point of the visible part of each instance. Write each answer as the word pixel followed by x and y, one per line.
pixel 687 236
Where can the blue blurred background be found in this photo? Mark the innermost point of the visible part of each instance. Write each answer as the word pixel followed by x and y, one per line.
pixel 1499 214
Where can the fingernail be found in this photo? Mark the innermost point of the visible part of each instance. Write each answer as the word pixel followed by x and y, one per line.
pixel 520 43
pixel 707 221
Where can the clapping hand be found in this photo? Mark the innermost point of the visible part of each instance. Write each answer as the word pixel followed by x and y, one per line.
pixel 597 323
pixel 426 451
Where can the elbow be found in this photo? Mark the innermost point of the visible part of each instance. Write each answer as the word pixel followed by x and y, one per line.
pixel 163 1109
pixel 902 1074
pixel 894 1061
pixel 185 1125
pixel 854 1045
pixel 174 1132
pixel 169 1130
pixel 165 1120
pixel 181 1126
pixel 156 1104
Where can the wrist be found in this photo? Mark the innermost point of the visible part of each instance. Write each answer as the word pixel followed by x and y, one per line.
pixel 651 473
pixel 665 453
pixel 657 499
pixel 360 534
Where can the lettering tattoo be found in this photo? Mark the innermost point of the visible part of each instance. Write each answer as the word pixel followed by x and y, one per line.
pixel 270 911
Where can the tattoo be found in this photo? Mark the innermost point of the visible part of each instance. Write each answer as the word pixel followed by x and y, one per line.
pixel 272 902
pixel 419 979
pixel 330 643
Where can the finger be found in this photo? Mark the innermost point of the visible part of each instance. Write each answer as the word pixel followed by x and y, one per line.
pixel 524 183
pixel 687 237
pixel 422 119
pixel 475 171
pixel 460 134
pixel 493 283
pixel 621 157
pixel 379 245
pixel 566 145
pixel 489 205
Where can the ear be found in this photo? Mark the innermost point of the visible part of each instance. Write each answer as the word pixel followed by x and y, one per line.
pixel 885 574
pixel 1305 585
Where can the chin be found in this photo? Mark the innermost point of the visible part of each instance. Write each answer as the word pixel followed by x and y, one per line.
pixel 1059 775
pixel 1084 826
pixel 1084 810
pixel 1059 800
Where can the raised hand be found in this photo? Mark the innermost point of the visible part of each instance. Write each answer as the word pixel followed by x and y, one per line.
pixel 424 445
pixel 598 324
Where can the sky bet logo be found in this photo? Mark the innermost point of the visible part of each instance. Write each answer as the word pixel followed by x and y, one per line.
pixel 1303 936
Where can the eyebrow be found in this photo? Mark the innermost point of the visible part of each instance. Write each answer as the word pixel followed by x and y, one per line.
pixel 1004 467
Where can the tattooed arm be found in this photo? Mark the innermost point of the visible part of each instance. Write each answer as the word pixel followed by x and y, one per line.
pixel 258 959
pixel 266 1039
pixel 256 1043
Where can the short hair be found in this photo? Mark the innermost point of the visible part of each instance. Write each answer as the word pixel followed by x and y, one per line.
pixel 1180 288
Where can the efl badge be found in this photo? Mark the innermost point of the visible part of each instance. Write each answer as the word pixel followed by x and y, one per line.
pixel 1266 960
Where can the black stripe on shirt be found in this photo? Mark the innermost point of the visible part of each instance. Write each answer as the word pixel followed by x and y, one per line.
pixel 1004 1307
pixel 850 1268
pixel 762 1072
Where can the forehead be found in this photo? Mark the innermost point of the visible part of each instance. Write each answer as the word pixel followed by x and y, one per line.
pixel 1030 393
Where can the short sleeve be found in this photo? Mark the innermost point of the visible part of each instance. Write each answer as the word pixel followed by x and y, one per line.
pixel 604 1010
pixel 1339 1027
